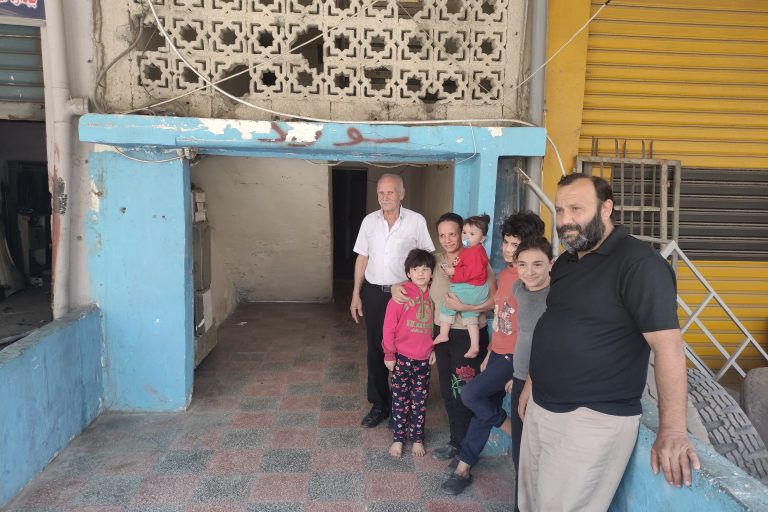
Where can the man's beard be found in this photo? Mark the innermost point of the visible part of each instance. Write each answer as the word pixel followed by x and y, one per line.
pixel 589 236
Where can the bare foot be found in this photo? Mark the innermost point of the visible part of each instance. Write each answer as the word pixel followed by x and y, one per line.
pixel 396 449
pixel 417 450
pixel 441 338
pixel 472 353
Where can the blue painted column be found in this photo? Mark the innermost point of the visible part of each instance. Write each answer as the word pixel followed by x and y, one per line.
pixel 474 193
pixel 474 189
pixel 140 266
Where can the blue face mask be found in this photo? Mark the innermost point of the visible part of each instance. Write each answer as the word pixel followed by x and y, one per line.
pixel 465 242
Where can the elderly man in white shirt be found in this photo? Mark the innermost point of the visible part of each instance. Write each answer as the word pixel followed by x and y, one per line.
pixel 386 237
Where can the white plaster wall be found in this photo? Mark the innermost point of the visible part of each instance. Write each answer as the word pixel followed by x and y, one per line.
pixel 436 195
pixel 270 229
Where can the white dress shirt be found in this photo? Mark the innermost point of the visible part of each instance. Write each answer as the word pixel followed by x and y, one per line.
pixel 387 248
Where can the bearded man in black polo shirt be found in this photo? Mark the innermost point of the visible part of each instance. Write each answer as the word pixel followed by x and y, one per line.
pixel 612 300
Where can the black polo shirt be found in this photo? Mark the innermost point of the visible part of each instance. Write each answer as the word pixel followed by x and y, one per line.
pixel 588 347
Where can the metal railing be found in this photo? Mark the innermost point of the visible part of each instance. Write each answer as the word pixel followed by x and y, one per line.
pixel 670 249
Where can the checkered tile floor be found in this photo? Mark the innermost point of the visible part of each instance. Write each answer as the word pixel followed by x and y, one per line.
pixel 274 426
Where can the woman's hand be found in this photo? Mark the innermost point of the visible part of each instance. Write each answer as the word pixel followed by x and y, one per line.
pixel 390 365
pixel 432 358
pixel 525 395
pixel 484 364
pixel 508 386
pixel 452 302
pixel 398 293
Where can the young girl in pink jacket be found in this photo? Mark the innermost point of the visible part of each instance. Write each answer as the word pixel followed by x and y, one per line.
pixel 408 354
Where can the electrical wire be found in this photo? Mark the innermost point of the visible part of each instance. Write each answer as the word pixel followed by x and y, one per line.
pixel 302 117
pixel 321 120
pixel 267 60
pixel 103 73
pixel 564 45
pixel 474 149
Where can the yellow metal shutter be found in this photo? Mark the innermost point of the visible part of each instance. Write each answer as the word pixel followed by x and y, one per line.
pixel 690 75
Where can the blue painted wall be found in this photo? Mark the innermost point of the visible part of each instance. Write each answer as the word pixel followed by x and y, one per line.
pixel 718 487
pixel 140 267
pixel 51 386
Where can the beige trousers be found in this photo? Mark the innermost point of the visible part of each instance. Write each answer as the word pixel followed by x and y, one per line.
pixel 573 461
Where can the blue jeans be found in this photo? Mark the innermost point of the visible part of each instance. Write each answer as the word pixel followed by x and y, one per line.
pixel 483 395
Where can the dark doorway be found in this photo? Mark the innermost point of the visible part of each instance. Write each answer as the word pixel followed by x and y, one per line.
pixel 349 208
pixel 25 261
pixel 27 217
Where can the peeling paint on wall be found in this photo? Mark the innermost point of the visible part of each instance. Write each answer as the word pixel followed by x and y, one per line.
pixel 60 189
pixel 495 131
pixel 246 128
pixel 304 132
pixel 94 198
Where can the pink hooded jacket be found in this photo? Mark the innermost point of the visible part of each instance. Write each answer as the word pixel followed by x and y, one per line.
pixel 408 326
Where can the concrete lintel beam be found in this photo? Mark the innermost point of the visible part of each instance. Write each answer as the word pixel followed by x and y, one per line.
pixel 327 141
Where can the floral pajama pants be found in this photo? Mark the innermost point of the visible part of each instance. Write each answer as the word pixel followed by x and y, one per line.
pixel 410 389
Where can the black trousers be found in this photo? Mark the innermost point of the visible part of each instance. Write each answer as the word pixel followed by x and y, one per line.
pixel 454 370
pixel 517 430
pixel 374 307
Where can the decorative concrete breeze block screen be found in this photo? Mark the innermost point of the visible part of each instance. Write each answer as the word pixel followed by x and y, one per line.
pixel 404 51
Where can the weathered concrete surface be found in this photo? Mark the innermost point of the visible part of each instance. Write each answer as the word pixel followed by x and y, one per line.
pixel 140 266
pixel 51 390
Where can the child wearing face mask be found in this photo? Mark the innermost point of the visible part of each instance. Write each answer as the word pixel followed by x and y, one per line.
pixel 469 281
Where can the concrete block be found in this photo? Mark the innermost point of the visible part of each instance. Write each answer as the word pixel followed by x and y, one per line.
pixel 203 311
pixel 205 342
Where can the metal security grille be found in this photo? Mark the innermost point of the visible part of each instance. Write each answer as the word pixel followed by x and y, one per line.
pixel 646 192
pixel 21 65
pixel 724 214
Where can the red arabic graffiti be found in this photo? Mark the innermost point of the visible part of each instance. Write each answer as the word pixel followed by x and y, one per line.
pixel 283 136
pixel 355 138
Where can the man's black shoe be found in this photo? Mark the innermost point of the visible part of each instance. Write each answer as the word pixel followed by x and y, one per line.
pixel 445 452
pixel 455 484
pixel 451 467
pixel 374 417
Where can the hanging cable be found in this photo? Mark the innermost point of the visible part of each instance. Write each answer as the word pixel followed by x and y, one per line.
pixel 362 9
pixel 253 68
pixel 563 46
pixel 212 84
pixel 103 73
